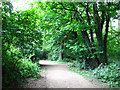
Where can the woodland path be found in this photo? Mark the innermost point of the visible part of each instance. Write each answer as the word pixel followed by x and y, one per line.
pixel 59 76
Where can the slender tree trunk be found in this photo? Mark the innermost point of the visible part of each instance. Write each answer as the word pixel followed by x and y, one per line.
pixel 60 56
pixel 60 53
pixel 105 37
pixel 98 31
pixel 88 19
pixel 86 38
pixel 87 42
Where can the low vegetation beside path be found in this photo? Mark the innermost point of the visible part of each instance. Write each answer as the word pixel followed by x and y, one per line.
pixel 105 73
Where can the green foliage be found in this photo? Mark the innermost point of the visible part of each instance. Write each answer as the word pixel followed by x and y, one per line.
pixel 20 38
pixel 29 69
pixel 53 55
pixel 113 46
pixel 66 23
pixel 17 67
pixel 80 72
pixel 39 55
pixel 65 27
pixel 59 61
pixel 78 65
pixel 109 74
pixel 20 28
pixel 72 65
pixel 66 60
pixel 81 54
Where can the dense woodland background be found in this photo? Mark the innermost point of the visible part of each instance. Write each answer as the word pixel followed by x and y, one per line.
pixel 76 32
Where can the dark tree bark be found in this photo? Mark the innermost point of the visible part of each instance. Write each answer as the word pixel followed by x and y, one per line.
pixel 105 37
pixel 88 19
pixel 98 31
pixel 87 40
pixel 99 23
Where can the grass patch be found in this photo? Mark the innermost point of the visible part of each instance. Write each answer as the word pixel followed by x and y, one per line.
pixel 83 73
pixel 88 75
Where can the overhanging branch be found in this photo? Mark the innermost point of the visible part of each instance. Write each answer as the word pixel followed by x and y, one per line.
pixel 71 10
pixel 113 37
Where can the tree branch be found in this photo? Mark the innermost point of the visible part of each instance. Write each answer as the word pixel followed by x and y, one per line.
pixel 103 19
pixel 88 18
pixel 107 27
pixel 71 10
pixel 113 37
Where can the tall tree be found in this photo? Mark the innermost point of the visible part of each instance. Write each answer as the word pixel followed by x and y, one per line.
pixel 90 19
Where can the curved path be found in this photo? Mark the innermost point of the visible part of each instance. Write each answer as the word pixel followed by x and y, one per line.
pixel 59 76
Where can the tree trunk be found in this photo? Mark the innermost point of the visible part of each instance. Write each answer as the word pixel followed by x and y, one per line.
pixel 105 37
pixel 88 19
pixel 98 31
pixel 87 42
pixel 60 56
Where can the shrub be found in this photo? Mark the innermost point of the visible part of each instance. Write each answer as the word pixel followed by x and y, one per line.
pixel 66 59
pixel 16 67
pixel 80 64
pixel 53 55
pixel 72 65
pixel 109 74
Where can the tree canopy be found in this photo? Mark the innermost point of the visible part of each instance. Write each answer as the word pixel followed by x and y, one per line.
pixel 68 31
pixel 70 24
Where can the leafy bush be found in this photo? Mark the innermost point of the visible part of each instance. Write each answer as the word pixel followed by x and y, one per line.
pixel 16 67
pixel 78 65
pixel 81 65
pixel 72 65
pixel 29 69
pixel 66 59
pixel 43 54
pixel 53 55
pixel 109 74
pixel 20 39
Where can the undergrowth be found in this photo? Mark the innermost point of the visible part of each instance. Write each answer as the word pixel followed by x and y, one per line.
pixel 58 61
pixel 17 68
pixel 109 74
pixel 83 72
